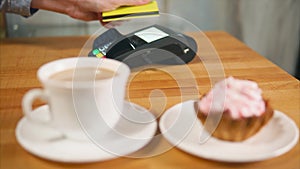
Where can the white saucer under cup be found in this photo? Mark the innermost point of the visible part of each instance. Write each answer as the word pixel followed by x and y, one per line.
pixel 48 143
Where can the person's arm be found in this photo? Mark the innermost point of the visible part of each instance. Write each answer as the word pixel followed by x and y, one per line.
pixel 83 9
pixel 79 9
pixel 20 7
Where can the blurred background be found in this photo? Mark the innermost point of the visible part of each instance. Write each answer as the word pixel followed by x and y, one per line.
pixel 270 27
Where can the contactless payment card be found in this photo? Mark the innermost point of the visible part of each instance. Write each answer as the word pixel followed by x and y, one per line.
pixel 130 12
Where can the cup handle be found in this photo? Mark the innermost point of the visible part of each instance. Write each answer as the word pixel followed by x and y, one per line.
pixel 28 100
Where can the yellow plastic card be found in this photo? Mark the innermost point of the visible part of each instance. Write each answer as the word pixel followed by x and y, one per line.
pixel 130 12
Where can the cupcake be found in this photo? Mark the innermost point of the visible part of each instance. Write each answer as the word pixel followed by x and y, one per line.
pixel 233 110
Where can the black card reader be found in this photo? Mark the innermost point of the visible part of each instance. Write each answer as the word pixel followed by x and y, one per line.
pixel 153 45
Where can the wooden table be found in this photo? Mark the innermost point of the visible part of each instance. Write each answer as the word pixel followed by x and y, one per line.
pixel 20 59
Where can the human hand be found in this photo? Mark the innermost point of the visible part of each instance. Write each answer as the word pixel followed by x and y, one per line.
pixel 86 10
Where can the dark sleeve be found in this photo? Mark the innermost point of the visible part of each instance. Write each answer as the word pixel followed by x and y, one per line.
pixel 20 7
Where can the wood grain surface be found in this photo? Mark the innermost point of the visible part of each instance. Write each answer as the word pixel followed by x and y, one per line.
pixel 156 89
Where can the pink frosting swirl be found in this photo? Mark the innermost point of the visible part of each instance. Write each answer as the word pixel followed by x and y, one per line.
pixel 241 98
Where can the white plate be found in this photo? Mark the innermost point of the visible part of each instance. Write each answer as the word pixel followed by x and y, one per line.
pixel 47 143
pixel 181 128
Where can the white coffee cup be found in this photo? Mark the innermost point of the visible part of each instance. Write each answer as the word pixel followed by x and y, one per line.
pixel 84 99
